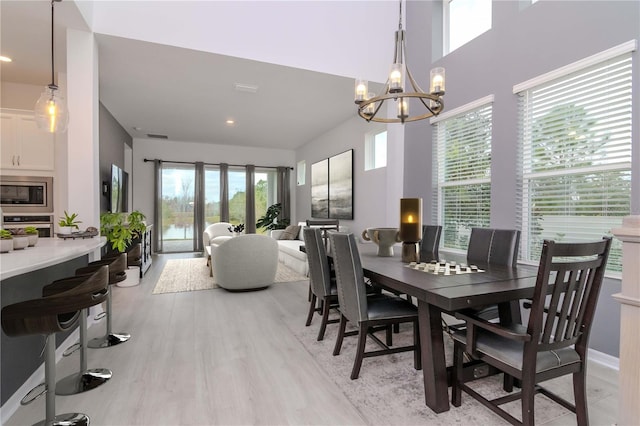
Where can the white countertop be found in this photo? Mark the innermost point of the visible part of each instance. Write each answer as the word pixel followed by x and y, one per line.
pixel 47 252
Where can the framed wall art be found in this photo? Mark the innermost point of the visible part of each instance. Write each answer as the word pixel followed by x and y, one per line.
pixel 320 189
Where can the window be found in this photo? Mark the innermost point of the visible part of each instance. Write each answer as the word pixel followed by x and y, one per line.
pixel 576 156
pixel 266 192
pixel 463 166
pixel 211 195
pixel 237 195
pixel 464 20
pixel 301 171
pixel 375 150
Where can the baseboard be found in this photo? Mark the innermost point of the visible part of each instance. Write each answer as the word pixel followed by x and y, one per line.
pixel 603 366
pixel 13 403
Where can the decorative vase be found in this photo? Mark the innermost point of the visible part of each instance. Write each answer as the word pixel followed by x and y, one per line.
pixel 20 242
pixel 33 239
pixel 385 238
pixel 6 245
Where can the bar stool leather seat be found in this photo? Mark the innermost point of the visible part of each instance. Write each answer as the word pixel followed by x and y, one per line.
pixel 47 316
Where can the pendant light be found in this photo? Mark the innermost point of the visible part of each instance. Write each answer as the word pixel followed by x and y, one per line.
pixel 51 112
pixel 429 104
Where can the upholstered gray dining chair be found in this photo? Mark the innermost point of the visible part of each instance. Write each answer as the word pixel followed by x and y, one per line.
pixel 369 314
pixel 430 243
pixel 554 342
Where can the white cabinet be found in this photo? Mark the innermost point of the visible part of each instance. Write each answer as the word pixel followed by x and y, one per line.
pixel 22 145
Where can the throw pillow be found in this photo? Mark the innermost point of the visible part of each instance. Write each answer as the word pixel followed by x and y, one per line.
pixel 290 233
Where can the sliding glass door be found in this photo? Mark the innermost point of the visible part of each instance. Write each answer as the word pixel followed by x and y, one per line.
pixel 211 195
pixel 178 190
pixel 266 192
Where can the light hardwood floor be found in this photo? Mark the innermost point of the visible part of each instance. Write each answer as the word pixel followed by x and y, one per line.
pixel 214 357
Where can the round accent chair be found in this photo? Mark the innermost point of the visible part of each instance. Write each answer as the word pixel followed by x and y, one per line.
pixel 245 262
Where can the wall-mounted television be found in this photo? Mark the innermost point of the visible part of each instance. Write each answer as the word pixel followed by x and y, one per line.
pixel 118 190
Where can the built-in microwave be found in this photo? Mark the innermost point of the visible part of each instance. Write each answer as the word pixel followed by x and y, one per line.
pixel 26 194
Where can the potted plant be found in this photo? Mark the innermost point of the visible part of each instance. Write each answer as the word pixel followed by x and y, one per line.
pixel 121 229
pixel 32 233
pixel 236 229
pixel 20 239
pixel 68 223
pixel 270 219
pixel 6 241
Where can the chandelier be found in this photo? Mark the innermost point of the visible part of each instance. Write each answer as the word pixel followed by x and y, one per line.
pixel 51 111
pixel 430 104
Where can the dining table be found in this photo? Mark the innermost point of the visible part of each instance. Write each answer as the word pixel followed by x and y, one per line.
pixel 447 292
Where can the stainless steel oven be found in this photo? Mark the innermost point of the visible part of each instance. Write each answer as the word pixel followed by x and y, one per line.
pixel 26 194
pixel 43 223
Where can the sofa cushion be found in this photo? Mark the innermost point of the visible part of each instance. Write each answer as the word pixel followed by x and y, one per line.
pixel 290 233
pixel 292 248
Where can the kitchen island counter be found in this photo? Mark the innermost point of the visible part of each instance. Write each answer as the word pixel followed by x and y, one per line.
pixel 47 252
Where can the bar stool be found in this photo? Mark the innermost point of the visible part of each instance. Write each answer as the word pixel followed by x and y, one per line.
pixel 117 273
pixel 48 316
pixel 97 284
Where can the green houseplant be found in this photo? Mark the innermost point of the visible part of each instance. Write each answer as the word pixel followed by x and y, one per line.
pixel 68 223
pixel 121 229
pixel 6 241
pixel 270 221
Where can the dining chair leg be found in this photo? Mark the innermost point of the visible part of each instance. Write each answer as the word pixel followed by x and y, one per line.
pixel 362 340
pixel 580 396
pixel 417 353
pixel 396 328
pixel 326 307
pixel 341 329
pixel 528 393
pixel 507 383
pixel 389 332
pixel 456 392
pixel 312 309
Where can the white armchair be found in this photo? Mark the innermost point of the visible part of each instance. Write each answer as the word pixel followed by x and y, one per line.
pixel 245 262
pixel 215 230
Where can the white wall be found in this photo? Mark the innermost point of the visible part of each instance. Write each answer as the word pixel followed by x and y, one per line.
pixel 143 179
pixel 376 192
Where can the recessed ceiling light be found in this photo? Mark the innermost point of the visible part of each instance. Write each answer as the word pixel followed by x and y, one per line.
pixel 5 59
pixel 137 129
pixel 243 87
pixel 230 122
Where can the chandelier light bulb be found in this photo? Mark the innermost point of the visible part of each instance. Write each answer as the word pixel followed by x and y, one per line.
pixel 51 112
pixel 403 109
pixel 362 90
pixel 437 81
pixel 396 78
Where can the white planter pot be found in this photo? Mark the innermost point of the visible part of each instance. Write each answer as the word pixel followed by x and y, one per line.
pixel 33 239
pixel 65 230
pixel 20 242
pixel 6 245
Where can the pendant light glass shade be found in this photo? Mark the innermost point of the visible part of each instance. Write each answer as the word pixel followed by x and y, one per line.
pixel 51 112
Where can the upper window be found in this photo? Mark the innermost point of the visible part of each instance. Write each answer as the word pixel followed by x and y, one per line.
pixel 375 151
pixel 463 166
pixel 576 142
pixel 464 20
pixel 301 171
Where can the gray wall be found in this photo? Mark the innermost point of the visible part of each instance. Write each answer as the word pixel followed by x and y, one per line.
pixel 113 138
pixel 524 42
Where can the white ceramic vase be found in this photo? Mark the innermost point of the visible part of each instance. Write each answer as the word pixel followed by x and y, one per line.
pixel 33 239
pixel 20 242
pixel 385 238
pixel 6 245
pixel 65 230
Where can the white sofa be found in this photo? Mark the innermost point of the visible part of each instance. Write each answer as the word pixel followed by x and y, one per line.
pixel 245 262
pixel 289 250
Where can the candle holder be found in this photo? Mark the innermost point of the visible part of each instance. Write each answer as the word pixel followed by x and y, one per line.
pixel 410 228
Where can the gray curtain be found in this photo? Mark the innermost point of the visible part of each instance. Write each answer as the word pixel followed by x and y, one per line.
pixel 198 208
pixel 284 192
pixel 250 212
pixel 224 192
pixel 157 208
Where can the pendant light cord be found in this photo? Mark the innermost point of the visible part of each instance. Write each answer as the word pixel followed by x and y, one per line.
pixel 400 18
pixel 53 83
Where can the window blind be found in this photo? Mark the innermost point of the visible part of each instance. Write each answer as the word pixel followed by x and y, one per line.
pixel 463 167
pixel 576 157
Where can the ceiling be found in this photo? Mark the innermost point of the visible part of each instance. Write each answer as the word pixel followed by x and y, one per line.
pixel 184 94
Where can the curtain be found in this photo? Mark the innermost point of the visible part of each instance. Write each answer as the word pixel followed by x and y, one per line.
pixel 224 192
pixel 250 212
pixel 284 192
pixel 157 208
pixel 198 208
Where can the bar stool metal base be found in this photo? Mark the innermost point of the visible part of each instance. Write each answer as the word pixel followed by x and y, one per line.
pixel 67 419
pixel 109 340
pixel 82 382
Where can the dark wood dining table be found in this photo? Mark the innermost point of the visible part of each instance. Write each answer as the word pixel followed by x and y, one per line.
pixel 445 293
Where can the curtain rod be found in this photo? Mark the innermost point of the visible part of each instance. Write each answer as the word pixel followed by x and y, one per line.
pixel 146 160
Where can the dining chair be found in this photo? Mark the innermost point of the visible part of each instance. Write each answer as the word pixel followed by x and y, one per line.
pixel 368 314
pixel 554 342
pixel 430 243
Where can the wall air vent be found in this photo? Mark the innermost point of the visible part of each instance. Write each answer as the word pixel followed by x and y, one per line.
pixel 154 136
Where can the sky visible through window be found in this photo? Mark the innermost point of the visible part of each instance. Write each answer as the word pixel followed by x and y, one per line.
pixel 173 179
pixel 467 20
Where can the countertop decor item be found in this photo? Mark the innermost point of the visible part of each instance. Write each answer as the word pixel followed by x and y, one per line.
pixel 68 223
pixel 385 238
pixel 32 233
pixel 6 241
pixel 410 228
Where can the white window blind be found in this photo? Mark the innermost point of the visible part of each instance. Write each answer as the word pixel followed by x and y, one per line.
pixel 463 167
pixel 576 160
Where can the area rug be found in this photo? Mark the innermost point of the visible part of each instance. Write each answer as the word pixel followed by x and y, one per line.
pixel 192 274
pixel 389 391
